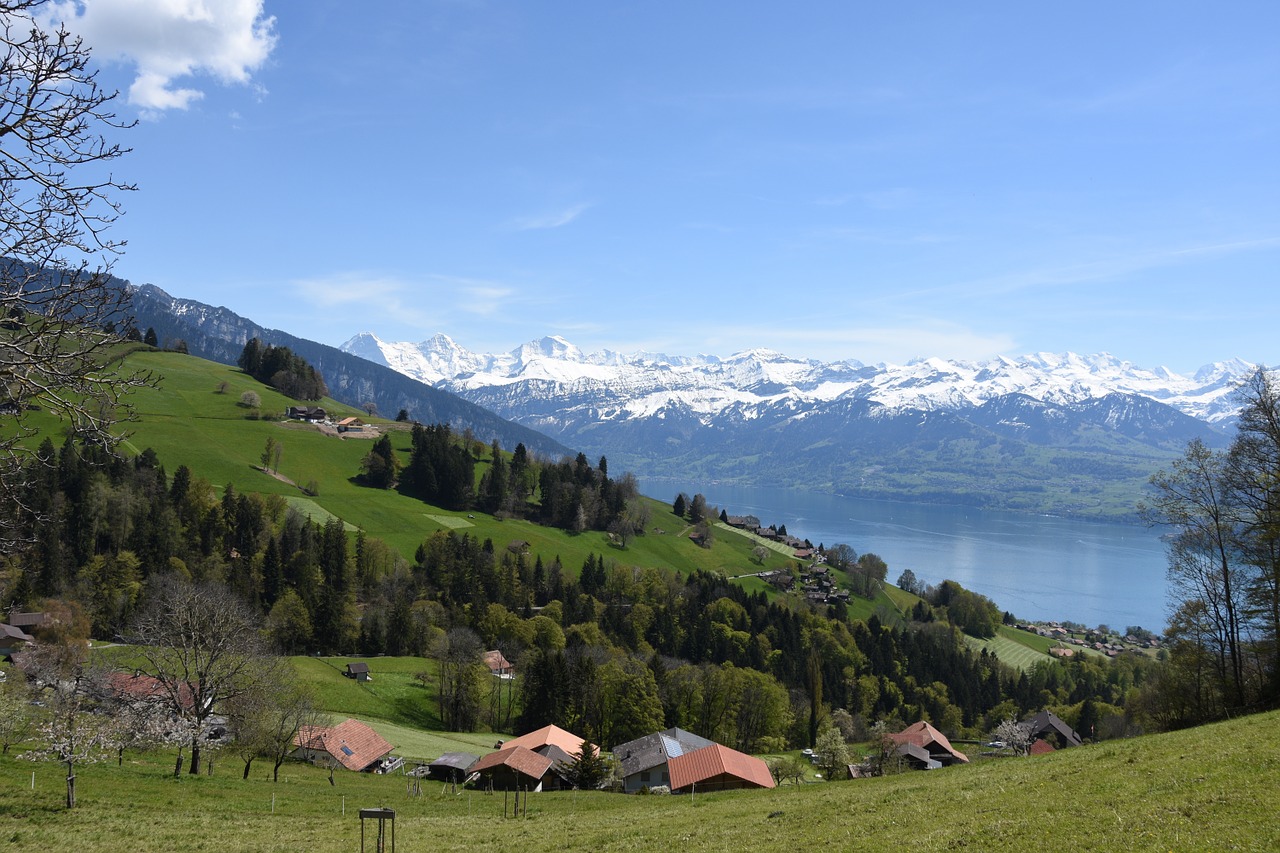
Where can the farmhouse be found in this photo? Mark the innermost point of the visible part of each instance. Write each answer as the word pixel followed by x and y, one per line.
pixel 932 741
pixel 717 768
pixel 644 761
pixel 351 743
pixel 139 687
pixel 1049 727
pixel 312 414
pixel 541 739
pixel 498 664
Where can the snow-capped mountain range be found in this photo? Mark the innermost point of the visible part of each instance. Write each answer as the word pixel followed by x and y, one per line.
pixel 642 384
pixel 1059 433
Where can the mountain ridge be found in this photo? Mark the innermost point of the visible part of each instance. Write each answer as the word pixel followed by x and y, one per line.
pixel 1045 432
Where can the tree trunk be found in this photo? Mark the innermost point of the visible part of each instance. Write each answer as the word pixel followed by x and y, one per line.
pixel 177 765
pixel 194 769
pixel 71 785
pixel 247 763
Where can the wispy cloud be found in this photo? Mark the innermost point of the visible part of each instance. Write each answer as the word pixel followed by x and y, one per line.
pixel 168 40
pixel 1118 266
pixel 553 219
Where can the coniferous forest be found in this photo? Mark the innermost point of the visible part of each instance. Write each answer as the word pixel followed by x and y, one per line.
pixel 603 648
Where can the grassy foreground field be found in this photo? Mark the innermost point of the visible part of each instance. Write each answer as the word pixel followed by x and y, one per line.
pixel 1212 788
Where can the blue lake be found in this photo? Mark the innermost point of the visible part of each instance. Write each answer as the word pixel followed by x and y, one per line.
pixel 1037 567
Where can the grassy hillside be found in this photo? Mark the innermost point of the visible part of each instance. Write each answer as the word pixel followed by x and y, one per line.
pixel 190 420
pixel 1212 788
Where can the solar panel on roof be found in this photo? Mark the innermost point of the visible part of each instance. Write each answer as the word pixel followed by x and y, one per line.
pixel 672 746
pixel 346 750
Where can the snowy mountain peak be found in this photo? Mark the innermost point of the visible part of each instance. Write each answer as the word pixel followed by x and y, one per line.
pixel 618 386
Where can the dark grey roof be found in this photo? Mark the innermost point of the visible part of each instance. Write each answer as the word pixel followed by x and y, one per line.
pixel 359 666
pixel 460 761
pixel 1047 721
pixel 560 759
pixel 9 632
pixel 645 753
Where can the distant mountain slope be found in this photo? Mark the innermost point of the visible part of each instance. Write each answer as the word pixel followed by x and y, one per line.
pixel 220 335
pixel 1060 433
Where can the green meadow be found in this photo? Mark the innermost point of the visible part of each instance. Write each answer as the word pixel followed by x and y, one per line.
pixel 1212 788
pixel 193 419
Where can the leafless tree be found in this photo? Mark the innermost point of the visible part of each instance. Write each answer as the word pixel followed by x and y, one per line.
pixel 1194 498
pixel 61 315
pixel 203 645
pixel 69 683
pixel 267 720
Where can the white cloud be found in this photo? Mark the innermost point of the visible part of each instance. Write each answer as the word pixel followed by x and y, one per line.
pixel 168 40
pixel 555 219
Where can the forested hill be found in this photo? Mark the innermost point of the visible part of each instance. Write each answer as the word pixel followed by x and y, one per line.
pixel 219 334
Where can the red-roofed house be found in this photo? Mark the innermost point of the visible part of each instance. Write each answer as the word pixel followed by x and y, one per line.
pixel 717 768
pixel 140 687
pixel 498 663
pixel 513 768
pixel 935 742
pixel 351 743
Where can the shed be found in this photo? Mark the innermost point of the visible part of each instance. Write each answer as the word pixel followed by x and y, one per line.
pixel 453 766
pixel 513 768
pixel 359 670
pixel 12 639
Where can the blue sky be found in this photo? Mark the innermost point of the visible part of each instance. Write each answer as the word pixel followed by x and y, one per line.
pixel 833 180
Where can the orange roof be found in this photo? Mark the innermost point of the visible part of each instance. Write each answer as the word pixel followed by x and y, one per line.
pixel 1041 747
pixel 518 758
pixel 924 735
pixel 716 760
pixel 142 687
pixel 550 735
pixel 496 661
pixel 354 744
